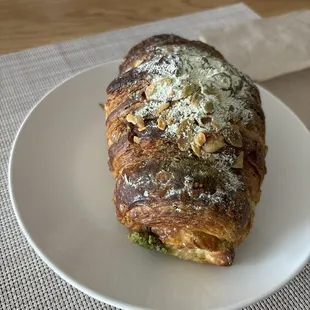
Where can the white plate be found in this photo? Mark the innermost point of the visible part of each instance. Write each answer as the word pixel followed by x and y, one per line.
pixel 62 190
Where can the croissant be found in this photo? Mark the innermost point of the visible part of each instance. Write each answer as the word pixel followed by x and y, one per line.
pixel 186 144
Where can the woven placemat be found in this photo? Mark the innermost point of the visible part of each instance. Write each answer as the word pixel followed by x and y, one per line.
pixel 25 281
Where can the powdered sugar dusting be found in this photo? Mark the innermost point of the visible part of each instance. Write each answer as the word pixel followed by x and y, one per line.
pixel 180 75
pixel 212 95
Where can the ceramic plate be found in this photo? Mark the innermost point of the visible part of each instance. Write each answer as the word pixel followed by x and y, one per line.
pixel 62 190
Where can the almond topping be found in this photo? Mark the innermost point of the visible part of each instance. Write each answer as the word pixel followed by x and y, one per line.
pixel 195 98
pixel 163 107
pixel 136 139
pixel 161 124
pixel 239 161
pixel 209 107
pixel 213 145
pixel 154 90
pixel 200 138
pixel 140 123
pixel 196 149
pixel 233 136
pixel 187 90
pixel 131 119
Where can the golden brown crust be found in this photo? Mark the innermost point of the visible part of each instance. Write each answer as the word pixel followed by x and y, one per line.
pixel 186 138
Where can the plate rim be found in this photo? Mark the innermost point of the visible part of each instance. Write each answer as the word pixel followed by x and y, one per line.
pixel 88 291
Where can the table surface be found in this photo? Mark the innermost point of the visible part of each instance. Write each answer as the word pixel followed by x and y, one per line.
pixel 30 23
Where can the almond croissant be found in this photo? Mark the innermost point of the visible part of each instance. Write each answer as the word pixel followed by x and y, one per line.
pixel 186 141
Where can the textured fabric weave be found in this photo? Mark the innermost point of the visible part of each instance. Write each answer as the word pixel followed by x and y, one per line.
pixel 25 281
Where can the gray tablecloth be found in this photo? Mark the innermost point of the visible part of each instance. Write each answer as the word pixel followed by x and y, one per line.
pixel 25 281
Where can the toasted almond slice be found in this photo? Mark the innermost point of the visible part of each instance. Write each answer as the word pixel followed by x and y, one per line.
pixel 196 149
pixel 163 107
pixel 136 139
pixel 140 122
pixel 131 119
pixel 187 90
pixel 208 107
pixel 161 123
pixel 159 86
pixel 233 136
pixel 200 138
pixel 239 161
pixel 213 145
pixel 196 97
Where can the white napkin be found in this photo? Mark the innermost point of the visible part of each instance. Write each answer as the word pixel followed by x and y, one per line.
pixel 265 48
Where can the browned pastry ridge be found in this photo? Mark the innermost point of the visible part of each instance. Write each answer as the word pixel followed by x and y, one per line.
pixel 186 141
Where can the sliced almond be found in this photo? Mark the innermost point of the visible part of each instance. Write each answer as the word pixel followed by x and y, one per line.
pixel 131 119
pixel 213 145
pixel 161 123
pixel 209 107
pixel 163 107
pixel 233 136
pixel 140 123
pixel 200 138
pixel 239 161
pixel 187 90
pixel 136 139
pixel 149 91
pixel 158 89
pixel 196 98
pixel 196 149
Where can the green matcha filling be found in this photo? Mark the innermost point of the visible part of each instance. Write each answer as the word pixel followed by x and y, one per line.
pixel 148 241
